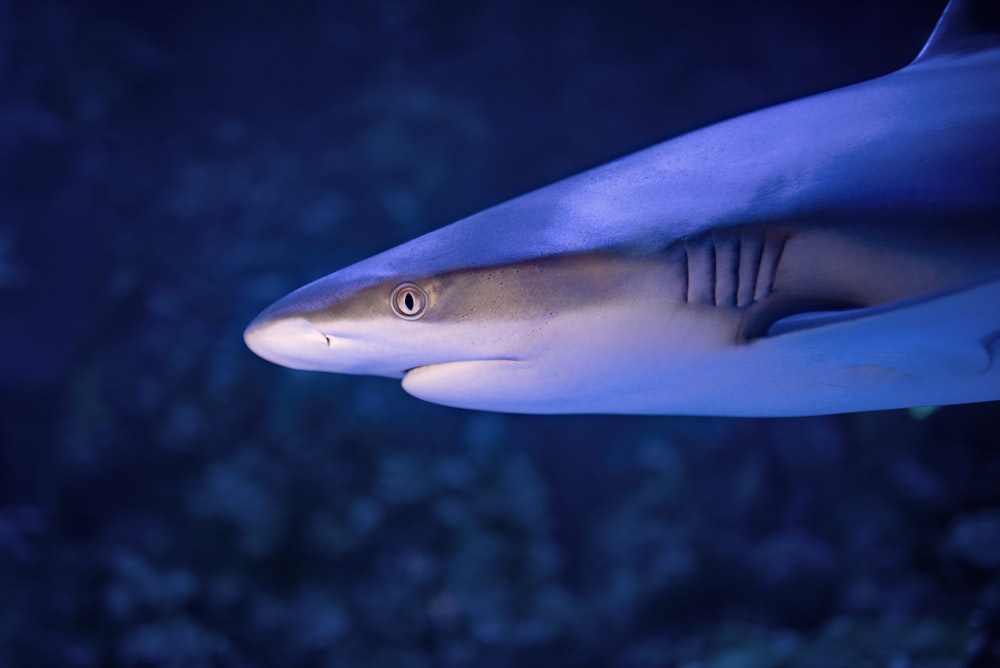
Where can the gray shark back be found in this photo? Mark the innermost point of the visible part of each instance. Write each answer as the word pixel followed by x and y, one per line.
pixel 918 146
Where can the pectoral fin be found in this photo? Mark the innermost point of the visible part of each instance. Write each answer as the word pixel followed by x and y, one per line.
pixel 950 333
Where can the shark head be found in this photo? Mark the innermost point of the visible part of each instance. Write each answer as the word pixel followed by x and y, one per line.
pixel 523 337
pixel 834 253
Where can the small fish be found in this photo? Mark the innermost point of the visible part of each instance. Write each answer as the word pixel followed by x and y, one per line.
pixel 836 253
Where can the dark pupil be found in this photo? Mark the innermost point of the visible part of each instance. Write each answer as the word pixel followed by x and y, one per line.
pixel 408 301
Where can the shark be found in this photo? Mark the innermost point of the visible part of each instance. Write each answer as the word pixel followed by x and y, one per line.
pixel 835 253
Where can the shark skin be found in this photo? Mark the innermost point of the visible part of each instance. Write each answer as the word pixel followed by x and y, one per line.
pixel 836 253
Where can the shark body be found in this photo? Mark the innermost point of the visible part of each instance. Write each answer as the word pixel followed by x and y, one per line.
pixel 840 252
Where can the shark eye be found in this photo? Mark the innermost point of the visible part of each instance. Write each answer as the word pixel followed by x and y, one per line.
pixel 408 301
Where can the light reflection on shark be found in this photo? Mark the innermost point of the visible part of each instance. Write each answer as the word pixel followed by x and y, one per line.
pixel 836 253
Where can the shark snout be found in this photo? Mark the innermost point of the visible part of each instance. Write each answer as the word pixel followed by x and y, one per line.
pixel 289 341
pixel 288 336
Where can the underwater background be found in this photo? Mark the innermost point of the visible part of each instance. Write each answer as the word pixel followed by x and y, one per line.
pixel 168 499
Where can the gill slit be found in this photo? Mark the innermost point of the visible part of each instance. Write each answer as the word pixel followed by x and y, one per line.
pixel 735 268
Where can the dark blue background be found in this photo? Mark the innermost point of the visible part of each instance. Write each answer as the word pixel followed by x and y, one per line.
pixel 167 499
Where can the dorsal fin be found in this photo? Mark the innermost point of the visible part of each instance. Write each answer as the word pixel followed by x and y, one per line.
pixel 964 27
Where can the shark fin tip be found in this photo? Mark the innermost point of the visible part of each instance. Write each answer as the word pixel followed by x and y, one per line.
pixel 965 26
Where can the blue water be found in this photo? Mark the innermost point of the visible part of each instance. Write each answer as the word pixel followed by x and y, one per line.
pixel 168 499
